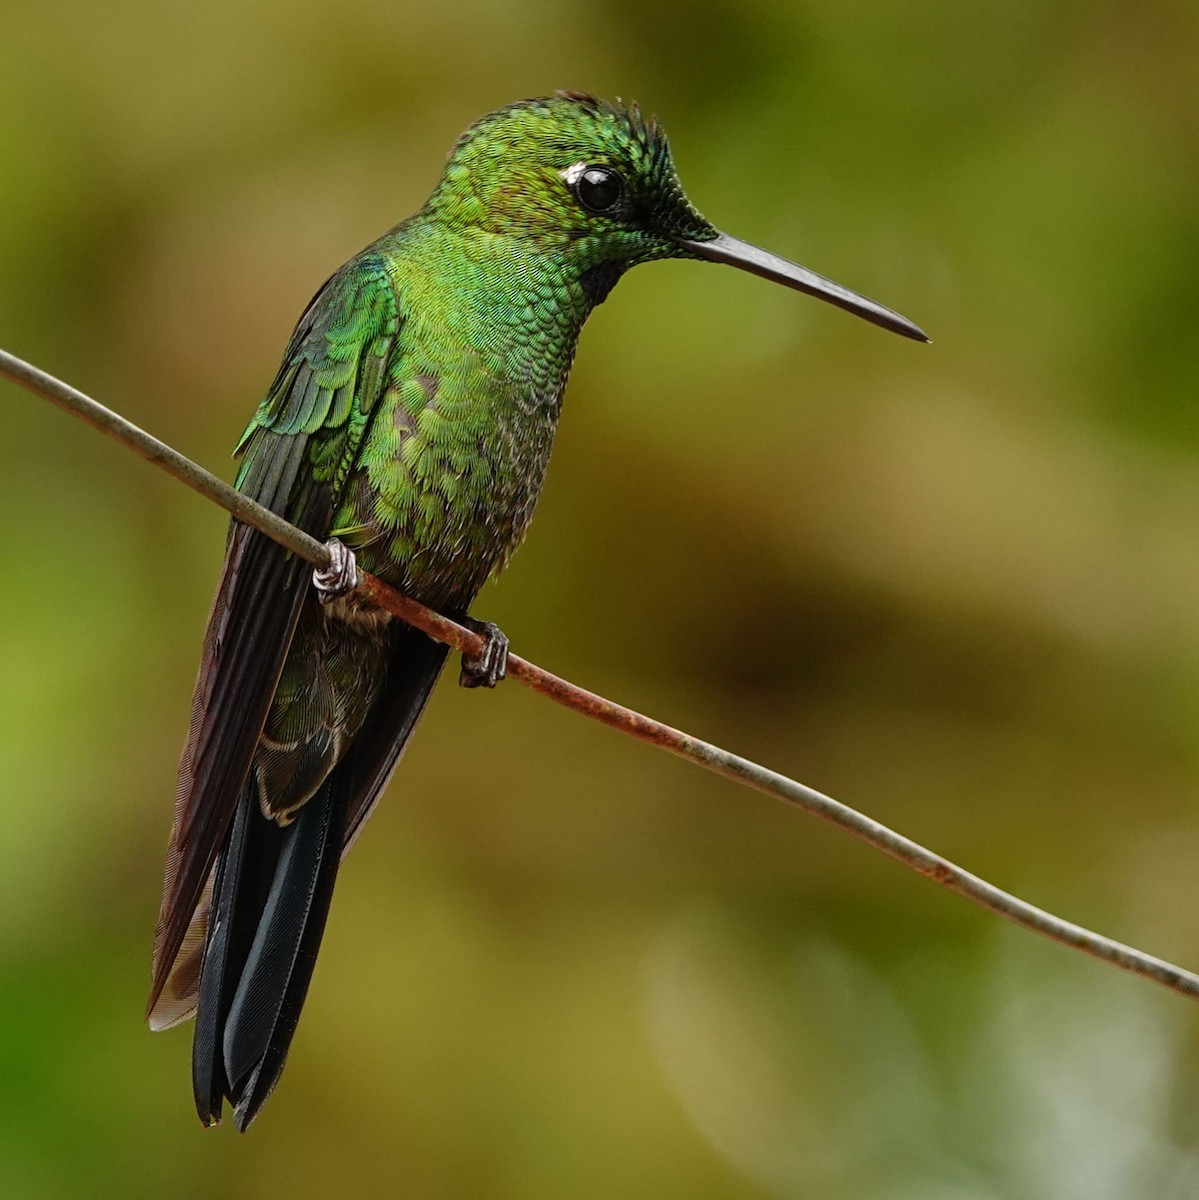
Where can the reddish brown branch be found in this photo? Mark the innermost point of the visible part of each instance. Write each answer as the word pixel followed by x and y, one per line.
pixel 703 754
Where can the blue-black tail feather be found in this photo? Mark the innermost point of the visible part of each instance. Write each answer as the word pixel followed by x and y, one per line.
pixel 270 904
pixel 271 899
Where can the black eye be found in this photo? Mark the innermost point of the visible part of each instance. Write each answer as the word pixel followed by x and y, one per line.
pixel 598 189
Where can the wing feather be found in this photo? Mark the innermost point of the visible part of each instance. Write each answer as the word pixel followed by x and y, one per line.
pixel 415 664
pixel 297 450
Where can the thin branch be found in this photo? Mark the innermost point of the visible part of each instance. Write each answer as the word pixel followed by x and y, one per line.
pixel 703 754
pixel 92 413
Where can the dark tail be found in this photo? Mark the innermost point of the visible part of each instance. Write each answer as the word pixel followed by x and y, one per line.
pixel 270 903
pixel 271 894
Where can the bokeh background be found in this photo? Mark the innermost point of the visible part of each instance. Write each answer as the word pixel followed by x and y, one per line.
pixel 955 586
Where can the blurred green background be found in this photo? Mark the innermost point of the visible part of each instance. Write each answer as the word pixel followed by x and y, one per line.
pixel 956 586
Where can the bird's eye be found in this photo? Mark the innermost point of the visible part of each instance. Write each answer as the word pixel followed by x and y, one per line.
pixel 597 189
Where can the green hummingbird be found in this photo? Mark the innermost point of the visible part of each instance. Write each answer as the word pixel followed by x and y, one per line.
pixel 410 426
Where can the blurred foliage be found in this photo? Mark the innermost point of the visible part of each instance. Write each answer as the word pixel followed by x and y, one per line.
pixel 955 586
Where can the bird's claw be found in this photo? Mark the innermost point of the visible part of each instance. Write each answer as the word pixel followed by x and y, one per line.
pixel 490 665
pixel 340 577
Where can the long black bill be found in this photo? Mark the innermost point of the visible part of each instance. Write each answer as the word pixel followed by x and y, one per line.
pixel 736 253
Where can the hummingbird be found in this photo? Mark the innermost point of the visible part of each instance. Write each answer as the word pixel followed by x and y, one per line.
pixel 410 427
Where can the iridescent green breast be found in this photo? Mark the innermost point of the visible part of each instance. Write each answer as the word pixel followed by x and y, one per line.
pixel 456 452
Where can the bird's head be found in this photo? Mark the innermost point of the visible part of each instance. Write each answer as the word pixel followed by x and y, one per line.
pixel 595 183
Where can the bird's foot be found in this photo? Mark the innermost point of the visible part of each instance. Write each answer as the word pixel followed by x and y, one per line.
pixel 340 577
pixel 490 665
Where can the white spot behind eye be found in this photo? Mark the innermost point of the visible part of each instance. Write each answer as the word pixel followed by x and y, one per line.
pixel 573 173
